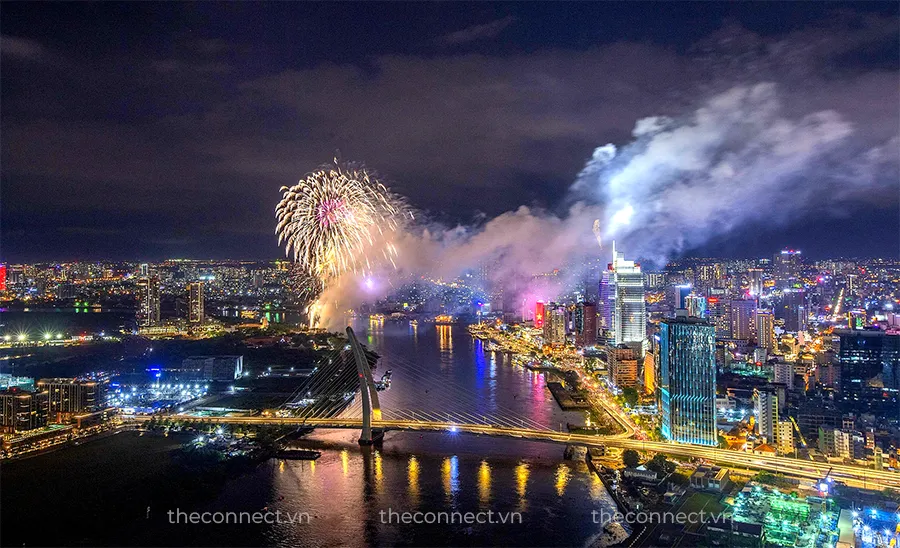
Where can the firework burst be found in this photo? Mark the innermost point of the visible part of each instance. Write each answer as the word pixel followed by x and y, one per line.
pixel 339 219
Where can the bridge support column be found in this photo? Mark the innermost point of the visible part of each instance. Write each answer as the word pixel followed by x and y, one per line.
pixel 371 407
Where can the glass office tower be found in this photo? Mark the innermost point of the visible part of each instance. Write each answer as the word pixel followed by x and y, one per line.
pixel 687 380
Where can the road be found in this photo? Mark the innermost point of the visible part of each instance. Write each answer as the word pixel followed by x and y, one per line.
pixel 854 476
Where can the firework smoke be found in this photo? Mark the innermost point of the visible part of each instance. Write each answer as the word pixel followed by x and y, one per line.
pixel 735 162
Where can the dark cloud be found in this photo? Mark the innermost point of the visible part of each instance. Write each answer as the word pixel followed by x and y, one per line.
pixel 20 48
pixel 476 32
pixel 186 143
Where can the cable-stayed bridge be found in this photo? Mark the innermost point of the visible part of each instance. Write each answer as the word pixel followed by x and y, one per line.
pixel 328 399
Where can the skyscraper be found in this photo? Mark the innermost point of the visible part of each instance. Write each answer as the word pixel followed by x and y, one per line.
pixel 148 301
pixel 607 300
pixel 766 410
pixel 630 314
pixel 765 330
pixel 539 314
pixel 755 277
pixel 787 265
pixel 195 303
pixel 742 313
pixel 793 310
pixel 585 324
pixel 554 324
pixel 695 305
pixel 687 380
pixel 870 369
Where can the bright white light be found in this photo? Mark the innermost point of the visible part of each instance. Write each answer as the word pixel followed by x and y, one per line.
pixel 621 218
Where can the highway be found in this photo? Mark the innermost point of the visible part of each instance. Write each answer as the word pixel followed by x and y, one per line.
pixel 854 476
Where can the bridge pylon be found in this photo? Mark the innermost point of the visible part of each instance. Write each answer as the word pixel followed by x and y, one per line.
pixel 371 408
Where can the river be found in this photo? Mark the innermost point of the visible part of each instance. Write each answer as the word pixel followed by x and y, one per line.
pixel 98 493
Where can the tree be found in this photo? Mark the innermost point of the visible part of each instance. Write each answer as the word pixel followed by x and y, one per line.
pixel 630 458
pixel 659 464
pixel 630 395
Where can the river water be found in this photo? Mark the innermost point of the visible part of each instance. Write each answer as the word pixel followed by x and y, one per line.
pixel 351 496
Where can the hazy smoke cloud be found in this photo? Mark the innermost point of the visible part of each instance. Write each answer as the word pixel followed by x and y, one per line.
pixel 734 163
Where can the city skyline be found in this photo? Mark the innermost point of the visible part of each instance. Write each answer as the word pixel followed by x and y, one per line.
pixel 466 273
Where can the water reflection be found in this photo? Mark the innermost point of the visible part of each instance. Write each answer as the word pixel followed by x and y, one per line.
pixel 563 474
pixel 450 477
pixel 345 462
pixel 412 474
pixel 484 483
pixel 379 472
pixel 445 338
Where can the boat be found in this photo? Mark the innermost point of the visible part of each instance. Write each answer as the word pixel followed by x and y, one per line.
pixel 385 381
pixel 443 319
pixel 414 323
pixel 297 454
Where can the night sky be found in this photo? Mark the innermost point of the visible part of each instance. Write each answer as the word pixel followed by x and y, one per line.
pixel 149 131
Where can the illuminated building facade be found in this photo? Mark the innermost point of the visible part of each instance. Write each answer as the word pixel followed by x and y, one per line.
pixel 687 380
pixel 539 314
pixel 67 397
pixel 788 264
pixel 630 314
pixel 766 409
pixel 793 310
pixel 195 302
pixel 870 369
pixel 21 411
pixel 742 314
pixel 554 324
pixel 585 324
pixel 148 301
pixel 765 330
pixel 756 280
pixel 623 366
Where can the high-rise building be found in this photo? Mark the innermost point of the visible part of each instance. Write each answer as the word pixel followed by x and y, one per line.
pixel 742 312
pixel 765 330
pixel 2 277
pixel 679 296
pixel 21 411
pixel 755 279
pixel 793 310
pixel 623 366
pixel 554 324
pixel 784 436
pixel 585 324
pixel 68 397
pixel 195 302
pixel 784 374
pixel 607 301
pixel 710 275
pixel 765 407
pixel 695 305
pixel 787 265
pixel 687 380
pixel 870 369
pixel 148 301
pixel 630 314
pixel 539 314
